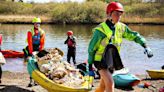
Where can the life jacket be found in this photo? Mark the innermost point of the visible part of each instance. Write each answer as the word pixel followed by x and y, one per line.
pixel 115 40
pixel 70 43
pixel 36 39
pixel 33 39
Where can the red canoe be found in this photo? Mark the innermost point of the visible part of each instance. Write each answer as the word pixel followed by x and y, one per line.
pixel 12 54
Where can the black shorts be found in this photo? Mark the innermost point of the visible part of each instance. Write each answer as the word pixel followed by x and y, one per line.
pixel 102 65
pixel 110 60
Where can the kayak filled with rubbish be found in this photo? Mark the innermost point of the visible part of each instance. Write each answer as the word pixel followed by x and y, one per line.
pixel 12 54
pixel 56 75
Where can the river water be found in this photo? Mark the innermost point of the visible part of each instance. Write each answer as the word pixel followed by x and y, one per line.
pixel 132 54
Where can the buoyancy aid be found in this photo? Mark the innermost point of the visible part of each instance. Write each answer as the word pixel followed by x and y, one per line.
pixel 70 43
pixel 115 40
pixel 36 39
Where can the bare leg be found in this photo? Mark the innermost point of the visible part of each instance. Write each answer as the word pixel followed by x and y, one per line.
pixel 101 87
pixel 107 79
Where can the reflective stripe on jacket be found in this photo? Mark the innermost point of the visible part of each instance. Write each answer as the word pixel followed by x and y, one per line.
pixel 115 40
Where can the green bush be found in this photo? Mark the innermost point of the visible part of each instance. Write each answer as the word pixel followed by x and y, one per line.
pixel 8 8
pixel 74 12
pixel 144 9
pixel 95 11
pixel 40 9
pixel 161 11
pixel 26 9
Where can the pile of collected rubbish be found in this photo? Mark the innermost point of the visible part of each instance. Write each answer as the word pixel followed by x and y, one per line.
pixel 59 71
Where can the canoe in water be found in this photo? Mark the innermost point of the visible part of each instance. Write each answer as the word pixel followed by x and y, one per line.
pixel 12 54
pixel 156 74
pixel 50 85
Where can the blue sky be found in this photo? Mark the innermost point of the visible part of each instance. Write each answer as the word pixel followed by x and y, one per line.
pixel 45 1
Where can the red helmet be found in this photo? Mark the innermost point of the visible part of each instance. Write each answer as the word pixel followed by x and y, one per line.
pixel 114 6
pixel 69 33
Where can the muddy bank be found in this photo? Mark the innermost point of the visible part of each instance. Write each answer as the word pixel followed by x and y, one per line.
pixel 17 82
pixel 24 19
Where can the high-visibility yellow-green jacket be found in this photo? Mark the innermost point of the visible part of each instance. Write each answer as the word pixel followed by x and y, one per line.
pixel 102 34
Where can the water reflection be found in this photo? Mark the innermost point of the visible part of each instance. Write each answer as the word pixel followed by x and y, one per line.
pixel 132 54
pixel 150 31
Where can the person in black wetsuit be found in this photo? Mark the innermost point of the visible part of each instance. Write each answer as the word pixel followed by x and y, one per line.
pixel 71 43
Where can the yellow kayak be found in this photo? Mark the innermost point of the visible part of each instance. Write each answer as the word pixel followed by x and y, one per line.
pixel 156 74
pixel 50 85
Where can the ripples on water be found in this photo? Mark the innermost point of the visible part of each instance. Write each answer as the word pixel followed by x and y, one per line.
pixel 132 54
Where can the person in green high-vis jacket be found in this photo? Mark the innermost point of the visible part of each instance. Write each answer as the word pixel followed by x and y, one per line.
pixel 107 38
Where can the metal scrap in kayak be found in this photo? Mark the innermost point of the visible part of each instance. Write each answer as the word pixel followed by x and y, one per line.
pixel 12 54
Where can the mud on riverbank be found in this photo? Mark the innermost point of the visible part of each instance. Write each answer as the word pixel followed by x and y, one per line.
pixel 17 82
pixel 24 19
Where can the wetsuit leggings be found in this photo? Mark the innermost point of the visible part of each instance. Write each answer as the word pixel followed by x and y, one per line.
pixel 71 53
